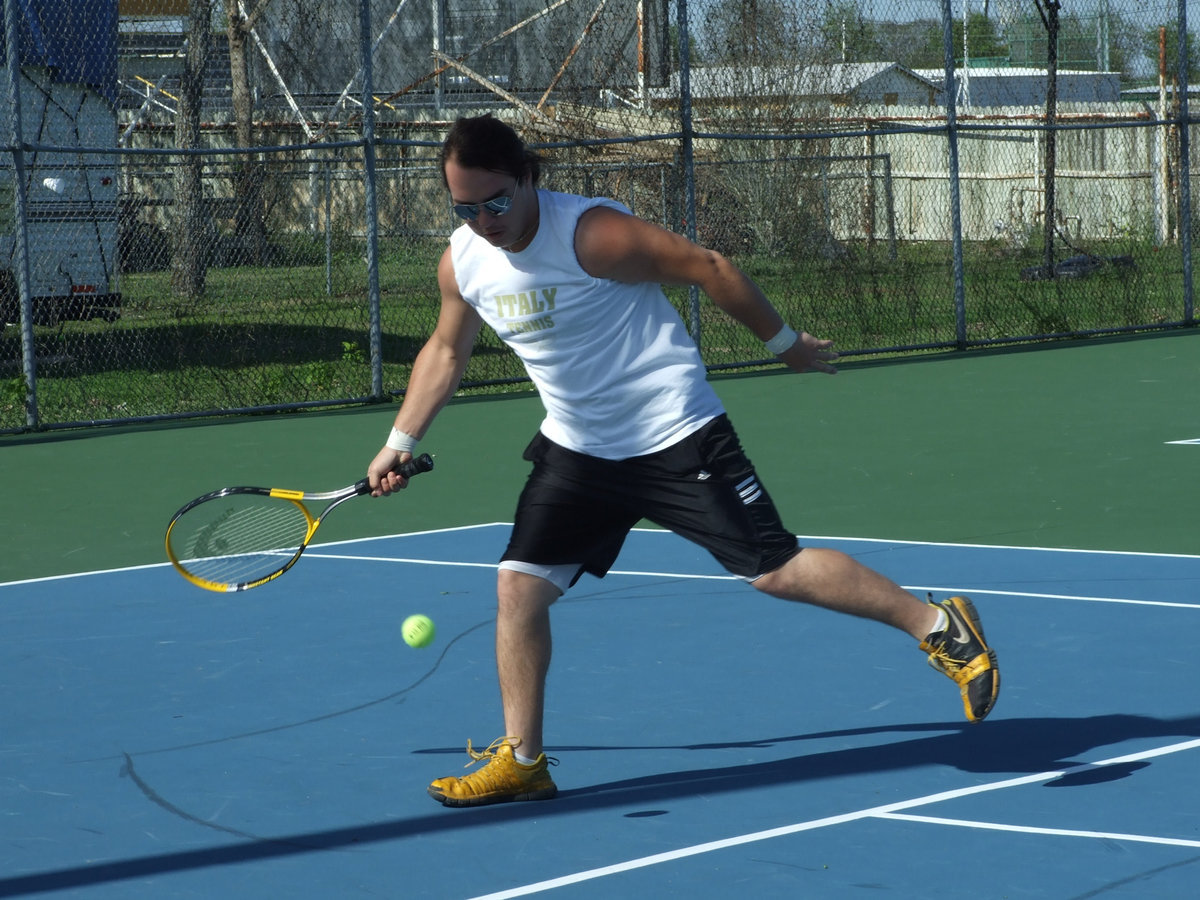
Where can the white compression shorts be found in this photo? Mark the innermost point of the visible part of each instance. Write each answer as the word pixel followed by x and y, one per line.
pixel 560 576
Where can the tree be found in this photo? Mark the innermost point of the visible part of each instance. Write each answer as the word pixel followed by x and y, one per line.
pixel 846 35
pixel 750 32
pixel 1151 45
pixel 189 259
pixel 905 42
pixel 1049 10
pixel 1102 42
pixel 250 218
pixel 983 42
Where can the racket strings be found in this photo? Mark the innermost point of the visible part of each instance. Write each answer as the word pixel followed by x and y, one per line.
pixel 239 538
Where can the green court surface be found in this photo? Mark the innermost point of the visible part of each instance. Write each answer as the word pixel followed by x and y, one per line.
pixel 1068 446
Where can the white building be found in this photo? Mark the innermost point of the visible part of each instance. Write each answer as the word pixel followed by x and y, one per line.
pixel 1021 86
pixel 879 83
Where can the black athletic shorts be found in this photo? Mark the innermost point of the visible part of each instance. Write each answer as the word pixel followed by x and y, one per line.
pixel 577 508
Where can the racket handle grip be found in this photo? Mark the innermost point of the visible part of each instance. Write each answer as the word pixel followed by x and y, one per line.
pixel 415 466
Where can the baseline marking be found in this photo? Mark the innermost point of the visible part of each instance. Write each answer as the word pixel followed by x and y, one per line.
pixel 876 812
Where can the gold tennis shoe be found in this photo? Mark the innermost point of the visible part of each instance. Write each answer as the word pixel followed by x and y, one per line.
pixel 960 651
pixel 502 779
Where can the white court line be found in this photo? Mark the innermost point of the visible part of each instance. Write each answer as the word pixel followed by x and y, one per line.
pixel 979 591
pixel 413 561
pixel 83 574
pixel 1030 829
pixel 492 565
pixel 316 551
pixel 874 812
pixel 819 537
pixel 693 577
pixel 311 552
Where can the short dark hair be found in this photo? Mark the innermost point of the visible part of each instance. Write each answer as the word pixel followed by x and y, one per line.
pixel 484 142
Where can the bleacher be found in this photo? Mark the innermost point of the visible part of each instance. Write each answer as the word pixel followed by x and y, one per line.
pixel 150 61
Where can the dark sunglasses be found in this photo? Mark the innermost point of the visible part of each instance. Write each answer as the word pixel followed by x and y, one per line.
pixel 497 206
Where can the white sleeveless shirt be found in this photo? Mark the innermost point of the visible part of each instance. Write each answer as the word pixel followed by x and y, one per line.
pixel 616 369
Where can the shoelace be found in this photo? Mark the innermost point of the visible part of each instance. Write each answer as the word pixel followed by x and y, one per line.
pixel 490 751
pixel 940 658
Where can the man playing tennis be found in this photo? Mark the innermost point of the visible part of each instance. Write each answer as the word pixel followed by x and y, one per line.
pixel 632 430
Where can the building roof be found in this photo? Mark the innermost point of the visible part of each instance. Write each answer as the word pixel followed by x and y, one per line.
pixel 837 79
pixel 938 76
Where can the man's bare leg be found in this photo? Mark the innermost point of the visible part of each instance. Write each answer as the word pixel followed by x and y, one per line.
pixel 833 580
pixel 522 661
pixel 523 648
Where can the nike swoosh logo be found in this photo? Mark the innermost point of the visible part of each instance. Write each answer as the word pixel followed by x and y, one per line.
pixel 961 635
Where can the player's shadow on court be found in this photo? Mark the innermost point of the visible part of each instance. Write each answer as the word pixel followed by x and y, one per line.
pixel 1001 747
pixel 1004 747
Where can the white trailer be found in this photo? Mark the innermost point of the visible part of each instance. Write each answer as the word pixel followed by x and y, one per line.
pixel 72 204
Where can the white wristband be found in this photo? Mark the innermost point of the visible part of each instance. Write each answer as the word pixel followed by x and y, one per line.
pixel 782 341
pixel 401 442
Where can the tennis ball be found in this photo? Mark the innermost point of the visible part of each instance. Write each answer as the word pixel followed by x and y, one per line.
pixel 418 631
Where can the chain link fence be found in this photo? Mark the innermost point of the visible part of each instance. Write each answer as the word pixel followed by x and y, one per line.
pixel 217 206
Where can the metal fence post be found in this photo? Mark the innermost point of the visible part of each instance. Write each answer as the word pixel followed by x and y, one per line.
pixel 20 212
pixel 1185 173
pixel 960 307
pixel 688 154
pixel 270 337
pixel 375 336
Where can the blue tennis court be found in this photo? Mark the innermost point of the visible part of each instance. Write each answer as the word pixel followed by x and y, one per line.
pixel 160 741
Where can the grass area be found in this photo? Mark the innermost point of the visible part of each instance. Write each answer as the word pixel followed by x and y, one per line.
pixel 866 301
pixel 298 332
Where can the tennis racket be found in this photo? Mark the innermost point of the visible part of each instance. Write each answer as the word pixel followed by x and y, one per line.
pixel 239 538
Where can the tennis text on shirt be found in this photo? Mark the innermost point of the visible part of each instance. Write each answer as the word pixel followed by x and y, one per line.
pixel 517 308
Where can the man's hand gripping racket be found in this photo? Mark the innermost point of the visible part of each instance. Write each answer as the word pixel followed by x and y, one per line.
pixel 239 538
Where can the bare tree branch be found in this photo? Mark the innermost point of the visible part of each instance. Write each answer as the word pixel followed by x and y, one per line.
pixel 249 21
